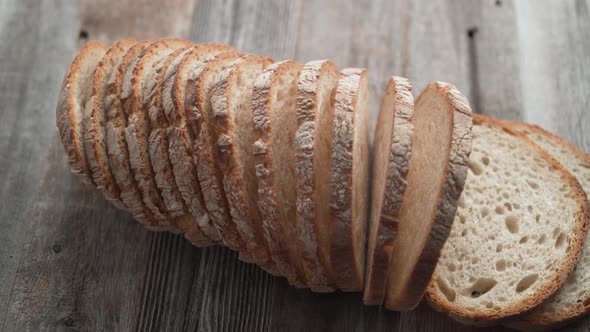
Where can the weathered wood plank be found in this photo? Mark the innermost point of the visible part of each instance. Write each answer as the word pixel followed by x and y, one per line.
pixel 35 49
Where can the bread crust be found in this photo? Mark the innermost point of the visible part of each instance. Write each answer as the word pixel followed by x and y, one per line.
pixel 488 317
pixel 350 130
pixel 536 320
pixel 456 173
pixel 71 103
pixel 225 127
pixel 94 129
pixel 400 141
pixel 278 223
pixel 317 266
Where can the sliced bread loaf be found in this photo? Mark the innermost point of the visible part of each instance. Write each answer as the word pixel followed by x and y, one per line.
pixel 75 92
pixel 313 146
pixel 274 110
pixel 349 179
pixel 436 174
pixel 572 300
pixel 392 151
pixel 518 231
pixel 94 129
pixel 180 143
pixel 134 96
pixel 117 146
pixel 233 133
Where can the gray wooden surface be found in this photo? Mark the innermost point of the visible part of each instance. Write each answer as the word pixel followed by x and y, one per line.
pixel 68 261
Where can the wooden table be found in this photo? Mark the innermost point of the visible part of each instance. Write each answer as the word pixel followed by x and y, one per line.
pixel 69 261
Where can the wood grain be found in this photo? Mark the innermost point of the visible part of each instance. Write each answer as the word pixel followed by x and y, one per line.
pixel 69 261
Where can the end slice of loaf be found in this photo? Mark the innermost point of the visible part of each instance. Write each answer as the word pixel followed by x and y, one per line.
pixel 274 111
pixel 94 123
pixel 233 134
pixel 436 176
pixel 76 91
pixel 572 300
pixel 392 151
pixel 349 179
pixel 313 146
pixel 518 231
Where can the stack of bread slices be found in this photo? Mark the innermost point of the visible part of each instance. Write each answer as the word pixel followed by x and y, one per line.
pixel 272 159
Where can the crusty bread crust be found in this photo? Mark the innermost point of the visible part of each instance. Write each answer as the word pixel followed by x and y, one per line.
pixel 226 97
pixel 384 226
pixel 278 220
pixel 456 173
pixel 486 317
pixel 75 92
pixel 349 179
pixel 94 129
pixel 316 85
pixel 539 319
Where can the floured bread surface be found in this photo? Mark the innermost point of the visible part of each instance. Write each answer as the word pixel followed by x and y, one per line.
pixel 572 300
pixel 349 179
pixel 436 176
pixel 392 151
pixel 233 134
pixel 518 231
pixel 313 145
pixel 274 111
pixel 75 92
pixel 94 123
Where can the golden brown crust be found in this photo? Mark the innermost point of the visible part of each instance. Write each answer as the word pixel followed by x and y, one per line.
pixel 489 317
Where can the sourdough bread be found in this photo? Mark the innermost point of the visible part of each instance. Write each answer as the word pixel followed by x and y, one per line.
pixel 349 179
pixel 572 300
pixel 94 118
pixel 233 134
pixel 75 92
pixel 274 111
pixel 313 145
pixel 134 96
pixel 392 151
pixel 436 175
pixel 518 231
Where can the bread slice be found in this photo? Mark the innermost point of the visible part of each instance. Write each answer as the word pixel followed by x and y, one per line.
pixel 134 96
pixel 274 111
pixel 233 132
pixel 572 300
pixel 198 124
pixel 350 179
pixel 313 144
pixel 180 143
pixel 94 129
pixel 392 151
pixel 436 174
pixel 518 231
pixel 75 92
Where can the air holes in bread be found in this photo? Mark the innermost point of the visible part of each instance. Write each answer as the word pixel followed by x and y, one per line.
pixel 499 248
pixel 446 290
pixel 485 161
pixel 526 282
pixel 542 239
pixel 499 210
pixel 452 267
pixel 523 239
pixel 511 224
pixel 501 265
pixel 480 287
pixel 485 212
pixel 475 168
pixel 532 184
pixel 560 240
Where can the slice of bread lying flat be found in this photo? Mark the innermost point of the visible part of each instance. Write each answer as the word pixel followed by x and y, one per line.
pixel 75 92
pixel 519 229
pixel 274 111
pixel 572 300
pixel 313 145
pixel 392 151
pixel 94 129
pixel 117 145
pixel 349 179
pixel 135 94
pixel 436 176
pixel 199 123
pixel 180 142
pixel 233 133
